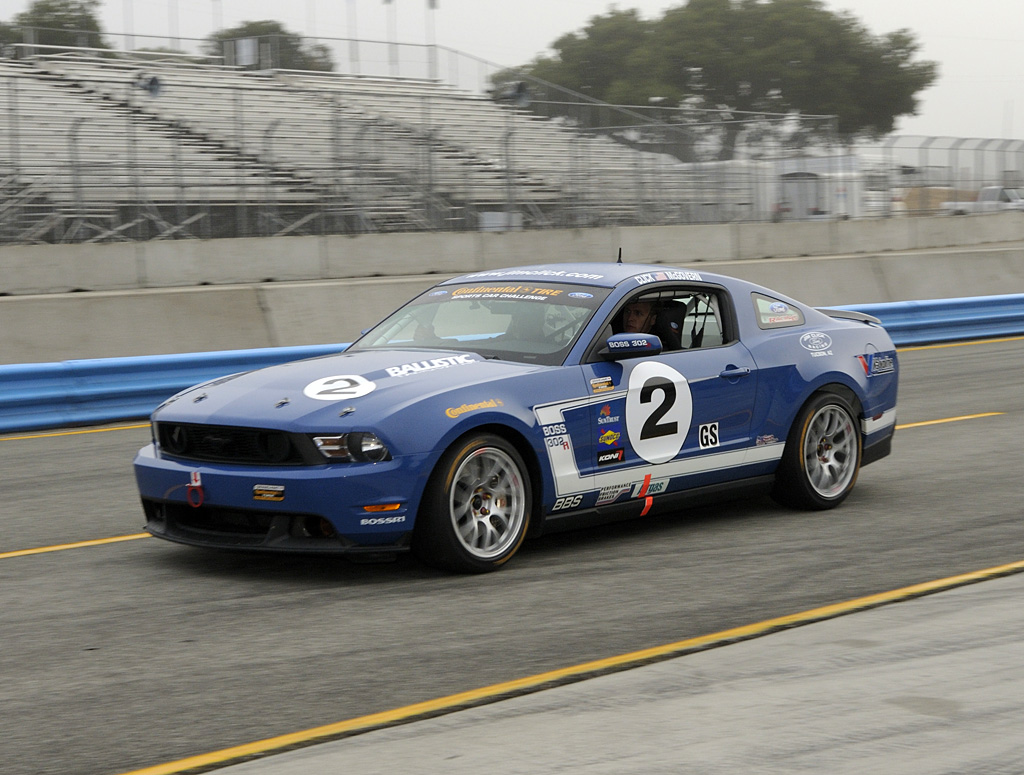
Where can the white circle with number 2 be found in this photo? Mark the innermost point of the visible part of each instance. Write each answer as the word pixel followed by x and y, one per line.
pixel 659 408
pixel 339 388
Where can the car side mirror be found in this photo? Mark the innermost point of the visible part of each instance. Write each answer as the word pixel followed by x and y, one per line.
pixel 620 346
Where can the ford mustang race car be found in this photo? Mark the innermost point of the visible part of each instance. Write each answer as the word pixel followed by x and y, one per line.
pixel 506 403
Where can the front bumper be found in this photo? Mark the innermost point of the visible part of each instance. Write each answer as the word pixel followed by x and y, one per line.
pixel 306 509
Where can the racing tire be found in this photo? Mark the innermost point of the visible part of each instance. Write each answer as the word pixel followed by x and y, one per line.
pixel 822 457
pixel 476 508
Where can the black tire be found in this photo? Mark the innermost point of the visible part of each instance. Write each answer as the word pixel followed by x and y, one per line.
pixel 476 509
pixel 822 457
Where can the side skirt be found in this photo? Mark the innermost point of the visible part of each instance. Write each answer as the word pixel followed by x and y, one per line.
pixel 660 504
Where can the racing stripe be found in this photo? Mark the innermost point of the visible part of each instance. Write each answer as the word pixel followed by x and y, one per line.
pixel 569 480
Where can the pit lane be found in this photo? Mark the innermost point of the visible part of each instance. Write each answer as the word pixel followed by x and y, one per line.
pixel 119 655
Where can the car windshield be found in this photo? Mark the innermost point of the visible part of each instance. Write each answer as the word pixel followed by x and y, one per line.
pixel 527 322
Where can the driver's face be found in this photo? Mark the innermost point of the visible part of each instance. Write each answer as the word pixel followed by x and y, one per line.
pixel 638 317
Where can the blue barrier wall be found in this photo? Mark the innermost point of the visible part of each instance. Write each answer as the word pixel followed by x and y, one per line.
pixel 51 395
pixel 946 320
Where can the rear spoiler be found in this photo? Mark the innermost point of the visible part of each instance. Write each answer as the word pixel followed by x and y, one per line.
pixel 849 314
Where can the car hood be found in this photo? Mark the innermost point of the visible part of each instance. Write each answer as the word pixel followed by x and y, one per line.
pixel 336 391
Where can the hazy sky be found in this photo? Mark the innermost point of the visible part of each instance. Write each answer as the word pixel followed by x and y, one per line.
pixel 979 46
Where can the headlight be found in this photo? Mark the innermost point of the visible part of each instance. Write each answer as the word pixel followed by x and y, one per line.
pixel 358 447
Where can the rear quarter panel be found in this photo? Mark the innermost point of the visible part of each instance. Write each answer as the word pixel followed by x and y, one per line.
pixel 793 363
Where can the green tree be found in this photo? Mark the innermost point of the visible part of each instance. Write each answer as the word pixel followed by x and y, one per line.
pixel 286 49
pixel 761 56
pixel 70 23
pixel 613 60
pixel 9 34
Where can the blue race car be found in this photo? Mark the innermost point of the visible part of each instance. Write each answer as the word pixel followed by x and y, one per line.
pixel 506 403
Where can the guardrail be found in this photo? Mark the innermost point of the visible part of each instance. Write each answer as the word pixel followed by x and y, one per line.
pixel 945 320
pixel 36 396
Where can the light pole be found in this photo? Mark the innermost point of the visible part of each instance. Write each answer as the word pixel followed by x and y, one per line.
pixel 172 23
pixel 510 96
pixel 129 41
pixel 431 41
pixel 392 36
pixel 353 42
pixel 218 15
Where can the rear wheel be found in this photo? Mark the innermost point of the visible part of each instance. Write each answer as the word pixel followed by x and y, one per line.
pixel 476 509
pixel 822 456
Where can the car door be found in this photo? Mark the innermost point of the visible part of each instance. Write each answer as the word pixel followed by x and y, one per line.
pixel 676 420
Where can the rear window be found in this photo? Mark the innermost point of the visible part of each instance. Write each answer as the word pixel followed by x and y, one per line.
pixel 775 313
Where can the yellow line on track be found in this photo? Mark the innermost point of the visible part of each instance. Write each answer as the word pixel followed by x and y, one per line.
pixel 117 539
pixel 77 545
pixel 529 684
pixel 947 419
pixel 944 345
pixel 74 433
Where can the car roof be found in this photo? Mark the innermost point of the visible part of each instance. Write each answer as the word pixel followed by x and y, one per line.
pixel 601 275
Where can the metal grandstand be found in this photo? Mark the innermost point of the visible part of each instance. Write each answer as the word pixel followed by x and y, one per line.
pixel 100 145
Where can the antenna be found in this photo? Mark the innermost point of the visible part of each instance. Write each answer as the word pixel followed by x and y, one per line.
pixel 620 255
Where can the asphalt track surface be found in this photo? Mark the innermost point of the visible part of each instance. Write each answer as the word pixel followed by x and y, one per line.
pixel 123 655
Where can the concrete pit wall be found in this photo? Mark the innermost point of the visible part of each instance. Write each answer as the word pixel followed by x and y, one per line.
pixel 90 301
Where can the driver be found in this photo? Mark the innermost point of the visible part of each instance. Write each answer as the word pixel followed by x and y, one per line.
pixel 639 317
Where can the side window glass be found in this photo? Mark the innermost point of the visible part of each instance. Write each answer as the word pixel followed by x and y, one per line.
pixel 683 319
pixel 774 313
pixel 702 324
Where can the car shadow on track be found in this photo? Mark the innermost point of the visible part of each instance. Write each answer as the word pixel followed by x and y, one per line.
pixel 672 532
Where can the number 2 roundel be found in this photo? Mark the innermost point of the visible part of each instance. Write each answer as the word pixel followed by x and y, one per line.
pixel 658 411
pixel 339 388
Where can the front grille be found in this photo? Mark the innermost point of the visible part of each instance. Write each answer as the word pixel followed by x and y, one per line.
pixel 227 444
pixel 226 521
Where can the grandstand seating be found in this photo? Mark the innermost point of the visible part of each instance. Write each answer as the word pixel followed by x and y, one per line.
pixel 380 153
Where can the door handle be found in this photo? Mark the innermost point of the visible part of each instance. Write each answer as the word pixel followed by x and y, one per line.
pixel 731 372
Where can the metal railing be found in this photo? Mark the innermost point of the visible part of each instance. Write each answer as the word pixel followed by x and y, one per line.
pixel 48 395
pixel 410 138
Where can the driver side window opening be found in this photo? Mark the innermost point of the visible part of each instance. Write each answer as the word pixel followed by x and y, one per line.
pixel 684 319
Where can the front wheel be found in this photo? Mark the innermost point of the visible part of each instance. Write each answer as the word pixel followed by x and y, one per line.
pixel 476 509
pixel 822 456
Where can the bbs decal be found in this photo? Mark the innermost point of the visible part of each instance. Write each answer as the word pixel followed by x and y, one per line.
pixel 708 435
pixel 659 408
pixel 568 502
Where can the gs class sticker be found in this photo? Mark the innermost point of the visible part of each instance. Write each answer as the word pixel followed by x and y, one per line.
pixel 659 408
pixel 339 388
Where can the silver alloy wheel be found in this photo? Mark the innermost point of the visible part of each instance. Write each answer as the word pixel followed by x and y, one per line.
pixel 487 503
pixel 830 451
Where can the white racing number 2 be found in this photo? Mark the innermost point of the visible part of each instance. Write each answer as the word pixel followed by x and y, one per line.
pixel 659 408
pixel 339 388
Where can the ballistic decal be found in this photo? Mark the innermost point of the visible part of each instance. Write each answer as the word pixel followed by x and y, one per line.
pixel 432 365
